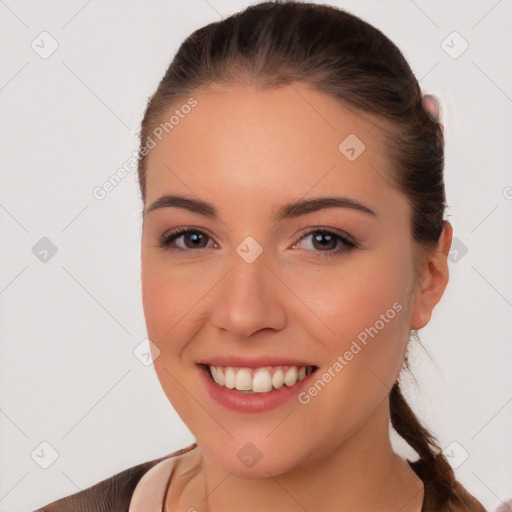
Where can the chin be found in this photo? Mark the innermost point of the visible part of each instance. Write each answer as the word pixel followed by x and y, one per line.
pixel 250 460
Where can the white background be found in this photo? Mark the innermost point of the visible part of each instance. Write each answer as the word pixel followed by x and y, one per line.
pixel 69 325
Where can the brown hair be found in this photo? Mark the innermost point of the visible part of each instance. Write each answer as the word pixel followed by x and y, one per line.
pixel 272 44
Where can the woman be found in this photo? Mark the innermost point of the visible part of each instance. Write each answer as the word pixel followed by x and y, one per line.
pixel 293 239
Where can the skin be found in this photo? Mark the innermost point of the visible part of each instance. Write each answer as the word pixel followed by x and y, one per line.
pixel 248 151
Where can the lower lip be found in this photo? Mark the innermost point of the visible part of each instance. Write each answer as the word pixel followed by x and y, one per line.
pixel 251 402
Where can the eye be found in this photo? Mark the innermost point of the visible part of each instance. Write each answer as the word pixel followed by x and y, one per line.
pixel 192 239
pixel 328 242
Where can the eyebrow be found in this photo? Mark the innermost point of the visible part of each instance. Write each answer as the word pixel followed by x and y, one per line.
pixel 287 211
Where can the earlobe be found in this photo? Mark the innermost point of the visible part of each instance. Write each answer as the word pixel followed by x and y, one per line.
pixel 433 280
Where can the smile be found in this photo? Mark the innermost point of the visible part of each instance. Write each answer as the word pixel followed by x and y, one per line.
pixel 258 380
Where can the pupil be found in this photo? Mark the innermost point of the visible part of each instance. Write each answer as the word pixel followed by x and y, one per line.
pixel 195 237
pixel 326 236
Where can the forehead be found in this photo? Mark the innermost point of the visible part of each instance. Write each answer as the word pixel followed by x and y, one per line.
pixel 241 142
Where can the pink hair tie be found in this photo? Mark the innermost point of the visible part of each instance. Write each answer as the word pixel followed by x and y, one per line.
pixel 432 107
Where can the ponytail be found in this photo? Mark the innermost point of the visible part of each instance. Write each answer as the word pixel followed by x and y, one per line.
pixel 432 466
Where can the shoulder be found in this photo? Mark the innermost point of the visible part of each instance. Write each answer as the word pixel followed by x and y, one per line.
pixel 110 495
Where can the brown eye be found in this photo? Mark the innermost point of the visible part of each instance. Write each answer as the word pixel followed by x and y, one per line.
pixel 328 243
pixel 325 241
pixel 196 239
pixel 191 239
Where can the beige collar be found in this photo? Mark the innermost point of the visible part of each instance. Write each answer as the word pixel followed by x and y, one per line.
pixel 150 491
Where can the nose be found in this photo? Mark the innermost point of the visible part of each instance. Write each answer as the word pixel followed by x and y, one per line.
pixel 249 299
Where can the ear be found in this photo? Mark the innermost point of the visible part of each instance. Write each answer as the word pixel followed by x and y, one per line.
pixel 432 280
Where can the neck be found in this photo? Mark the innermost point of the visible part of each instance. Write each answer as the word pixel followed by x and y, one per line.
pixel 363 473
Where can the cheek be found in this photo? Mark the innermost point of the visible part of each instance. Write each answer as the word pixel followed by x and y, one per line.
pixel 363 308
pixel 174 302
pixel 366 290
pixel 163 303
pixel 170 296
pixel 168 299
pixel 363 305
pixel 159 303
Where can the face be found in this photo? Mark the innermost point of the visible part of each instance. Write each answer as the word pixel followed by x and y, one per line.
pixel 329 286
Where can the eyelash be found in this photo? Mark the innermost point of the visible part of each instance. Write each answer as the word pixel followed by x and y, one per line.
pixel 348 245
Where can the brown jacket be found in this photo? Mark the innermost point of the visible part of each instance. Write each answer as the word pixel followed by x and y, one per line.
pixel 114 494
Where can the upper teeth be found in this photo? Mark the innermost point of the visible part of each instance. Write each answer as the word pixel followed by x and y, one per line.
pixel 258 380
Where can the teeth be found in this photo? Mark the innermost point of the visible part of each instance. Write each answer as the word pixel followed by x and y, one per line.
pixel 258 380
pixel 261 381
pixel 278 379
pixel 290 377
pixel 229 377
pixel 243 379
pixel 220 377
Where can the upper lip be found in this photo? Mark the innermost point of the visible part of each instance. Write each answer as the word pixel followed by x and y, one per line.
pixel 252 362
